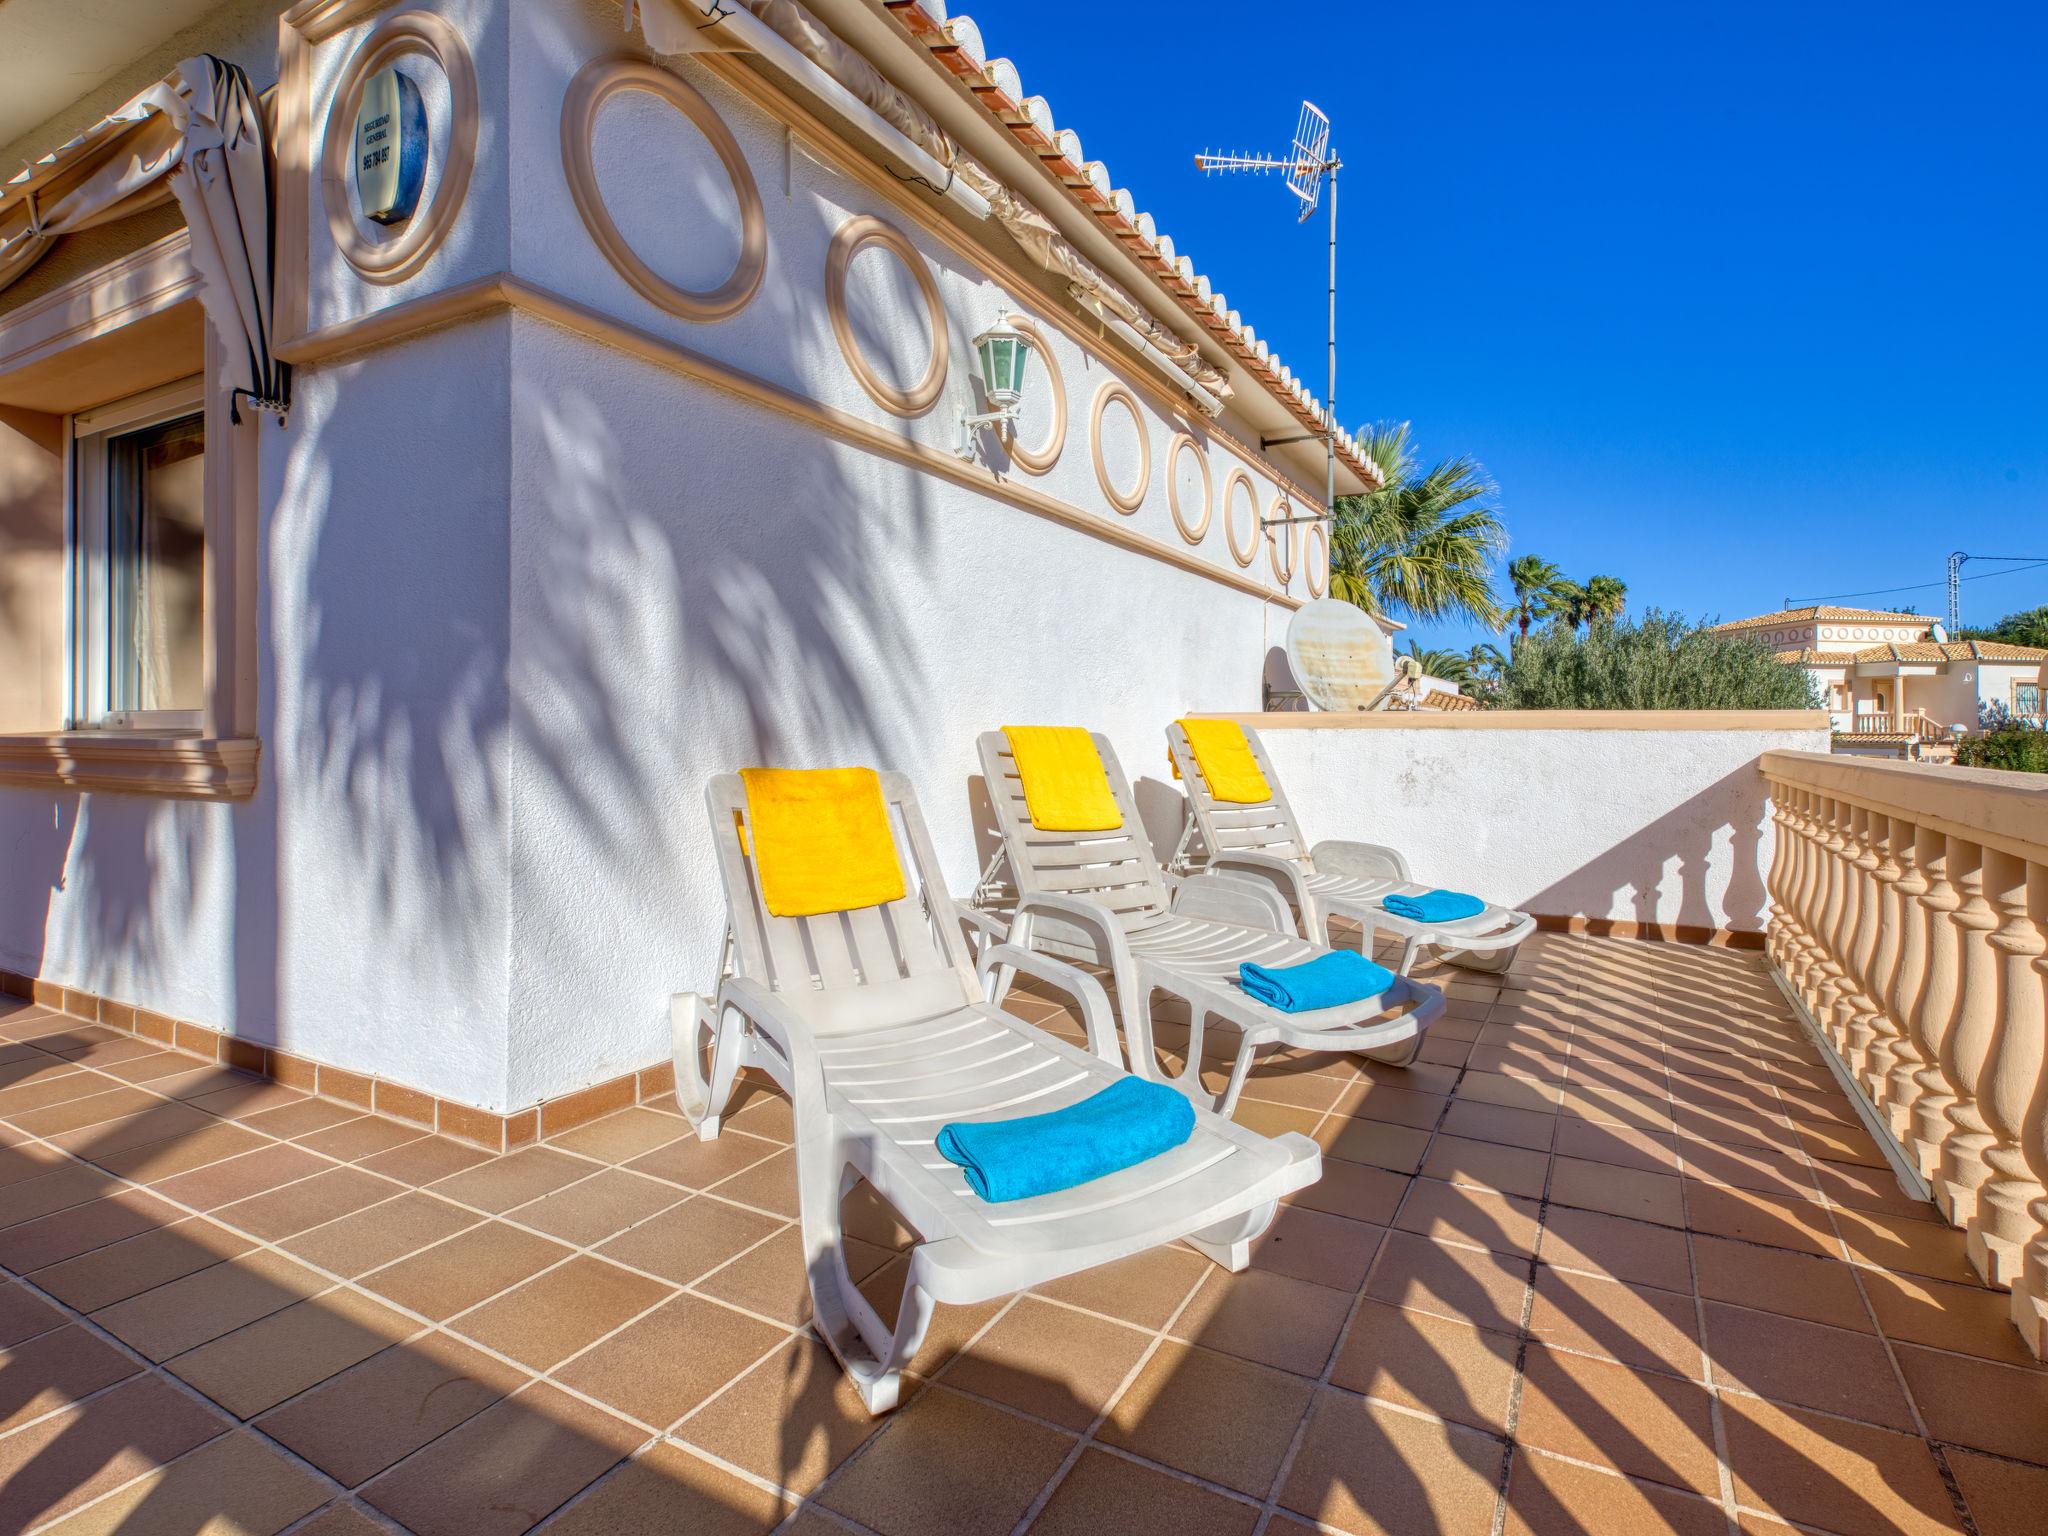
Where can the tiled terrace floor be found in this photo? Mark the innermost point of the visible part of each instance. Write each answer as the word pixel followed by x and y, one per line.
pixel 1614 1257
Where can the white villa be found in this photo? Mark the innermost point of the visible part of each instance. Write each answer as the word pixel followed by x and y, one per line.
pixel 1898 675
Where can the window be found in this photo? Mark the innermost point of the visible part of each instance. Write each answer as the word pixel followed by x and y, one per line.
pixel 2026 700
pixel 139 562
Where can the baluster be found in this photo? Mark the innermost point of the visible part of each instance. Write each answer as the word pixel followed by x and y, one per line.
pixel 1890 836
pixel 2011 1075
pixel 1859 1013
pixel 1812 896
pixel 1968 1047
pixel 1774 881
pixel 2030 1292
pixel 1799 937
pixel 1934 1008
pixel 1900 1090
pixel 1826 976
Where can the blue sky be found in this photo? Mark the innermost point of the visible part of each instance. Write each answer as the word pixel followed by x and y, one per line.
pixel 1736 302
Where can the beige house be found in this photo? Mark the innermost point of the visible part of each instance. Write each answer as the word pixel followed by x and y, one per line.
pixel 1891 678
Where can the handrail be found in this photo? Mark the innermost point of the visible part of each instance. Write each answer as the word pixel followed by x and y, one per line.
pixel 1910 920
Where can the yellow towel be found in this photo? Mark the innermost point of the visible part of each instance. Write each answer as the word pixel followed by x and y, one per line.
pixel 1065 786
pixel 1225 758
pixel 821 840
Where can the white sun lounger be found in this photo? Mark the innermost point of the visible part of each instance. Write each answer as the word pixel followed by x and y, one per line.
pixel 874 1025
pixel 1102 895
pixel 1334 879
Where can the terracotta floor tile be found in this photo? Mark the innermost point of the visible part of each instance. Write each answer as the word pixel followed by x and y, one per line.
pixel 1533 1059
pixel 792 1419
pixel 1492 1122
pixel 185 1313
pixel 1643 1423
pixel 996 1464
pixel 1965 1318
pixel 1266 1318
pixel 1485 1289
pixel 1388 1104
pixel 1108 1493
pixel 1752 1217
pixel 238 1178
pixel 555 1314
pixel 669 1488
pixel 2005 1498
pixel 56 1368
pixel 1049 1361
pixel 1979 1404
pixel 1778 1280
pixel 1805 1364
pixel 139 1263
pixel 341 1519
pixel 1768 1172
pixel 1143 1289
pixel 425 1160
pixel 1910 1247
pixel 1278 1119
pixel 150 1119
pixel 686 1241
pixel 28 1162
pixel 1549 1497
pixel 1372 1142
pixel 1374 1471
pixel 759 1110
pixel 951 1328
pixel 771 1280
pixel 238 1101
pixel 65 1186
pixel 162 1160
pixel 623 1135
pixel 1212 1415
pixel 235 1483
pixel 1487 1165
pixel 362 1137
pixel 122 1213
pixel 371 1238
pixel 599 1208
pixel 501 1183
pixel 1633 1192
pixel 107 1102
pixel 1634 1324
pixel 1447 1368
pixel 454 1276
pixel 698 1164
pixel 279 1356
pixel 1508 1092
pixel 770 1185
pixel 1355 1190
pixel 1611 1245
pixel 663 1365
pixel 1478 1217
pixel 23 1315
pixel 1838 1143
pixel 358 1423
pixel 312 1202
pixel 1322 1249
pixel 302 1118
pixel 1877 1190
pixel 1851 1478
pixel 506 1469
pixel 54 1466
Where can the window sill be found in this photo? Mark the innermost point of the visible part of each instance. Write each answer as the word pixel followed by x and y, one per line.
pixel 177 765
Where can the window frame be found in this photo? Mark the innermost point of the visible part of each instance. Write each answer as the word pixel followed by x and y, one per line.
pixel 2040 692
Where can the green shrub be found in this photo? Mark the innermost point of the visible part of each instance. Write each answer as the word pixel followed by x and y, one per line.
pixel 1657 662
pixel 2003 742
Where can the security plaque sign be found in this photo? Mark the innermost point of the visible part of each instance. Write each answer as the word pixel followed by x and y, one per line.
pixel 391 147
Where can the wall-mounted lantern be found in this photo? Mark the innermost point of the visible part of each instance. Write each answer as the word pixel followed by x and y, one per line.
pixel 1002 350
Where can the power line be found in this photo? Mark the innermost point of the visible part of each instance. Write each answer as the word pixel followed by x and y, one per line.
pixel 2032 564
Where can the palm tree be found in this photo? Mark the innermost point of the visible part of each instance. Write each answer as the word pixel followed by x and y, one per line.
pixel 1424 545
pixel 1448 665
pixel 1485 661
pixel 1569 602
pixel 1534 582
pixel 1606 598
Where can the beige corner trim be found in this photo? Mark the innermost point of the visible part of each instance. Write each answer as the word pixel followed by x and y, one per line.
pixel 1126 501
pixel 504 291
pixel 402 33
pixel 1283 535
pixel 1774 720
pixel 1244 554
pixel 1036 461
pixel 856 233
pixel 1996 809
pixel 595 84
pixel 114 762
pixel 1200 530
pixel 1315 570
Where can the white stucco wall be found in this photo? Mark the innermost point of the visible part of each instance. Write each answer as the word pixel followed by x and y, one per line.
pixel 1649 826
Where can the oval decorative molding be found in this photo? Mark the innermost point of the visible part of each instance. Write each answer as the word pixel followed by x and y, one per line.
pixel 1134 498
pixel 1037 461
pixel 1246 553
pixel 1315 569
pixel 1282 537
pixel 865 230
pixel 1200 530
pixel 595 84
pixel 399 34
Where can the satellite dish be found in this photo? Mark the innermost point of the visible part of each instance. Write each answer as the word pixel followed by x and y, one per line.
pixel 1340 657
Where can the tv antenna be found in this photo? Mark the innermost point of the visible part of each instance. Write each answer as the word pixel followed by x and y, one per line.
pixel 1309 166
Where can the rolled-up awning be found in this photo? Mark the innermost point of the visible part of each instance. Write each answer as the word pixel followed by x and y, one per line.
pixel 198 135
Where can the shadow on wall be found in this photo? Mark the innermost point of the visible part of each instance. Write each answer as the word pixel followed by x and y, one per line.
pixel 1626 881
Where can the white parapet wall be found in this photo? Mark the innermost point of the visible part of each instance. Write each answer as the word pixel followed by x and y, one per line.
pixel 1656 819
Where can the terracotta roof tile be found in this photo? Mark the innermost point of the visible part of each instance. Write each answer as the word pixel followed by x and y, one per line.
pixel 1822 614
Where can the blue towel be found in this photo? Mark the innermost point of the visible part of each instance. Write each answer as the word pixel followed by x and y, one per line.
pixel 1121 1126
pixel 1434 906
pixel 1328 981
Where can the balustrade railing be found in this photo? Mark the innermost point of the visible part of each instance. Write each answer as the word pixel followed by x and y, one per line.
pixel 1910 918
